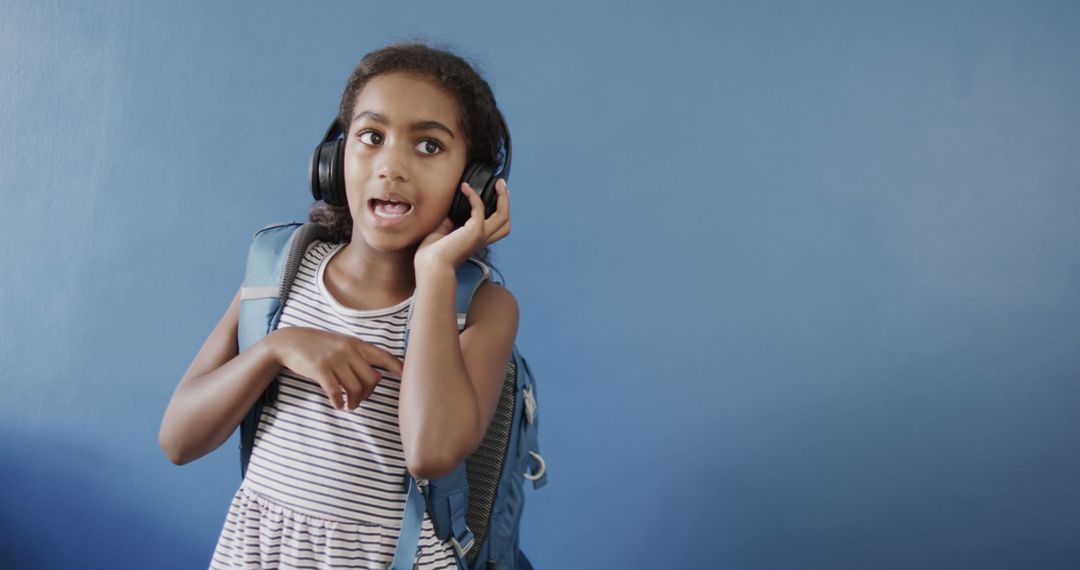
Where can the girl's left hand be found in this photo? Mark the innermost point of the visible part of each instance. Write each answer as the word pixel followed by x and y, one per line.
pixel 449 247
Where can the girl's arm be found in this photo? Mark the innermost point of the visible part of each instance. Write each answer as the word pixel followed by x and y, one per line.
pixel 221 386
pixel 216 392
pixel 451 383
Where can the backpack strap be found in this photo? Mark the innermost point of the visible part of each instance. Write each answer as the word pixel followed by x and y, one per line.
pixel 470 276
pixel 412 519
pixel 446 499
pixel 273 260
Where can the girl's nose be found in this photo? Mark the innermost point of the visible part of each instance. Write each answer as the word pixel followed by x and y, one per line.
pixel 393 164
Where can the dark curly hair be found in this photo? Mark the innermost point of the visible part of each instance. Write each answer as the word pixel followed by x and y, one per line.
pixel 481 119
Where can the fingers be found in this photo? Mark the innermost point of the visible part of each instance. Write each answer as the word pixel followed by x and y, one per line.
pixel 334 391
pixel 364 379
pixel 353 376
pixel 358 375
pixel 475 202
pixel 499 234
pixel 381 358
pixel 500 219
pixel 350 383
pixel 497 226
pixel 342 365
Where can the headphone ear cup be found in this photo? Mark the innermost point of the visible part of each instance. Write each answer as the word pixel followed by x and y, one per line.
pixel 481 177
pixel 337 173
pixel 313 173
pixel 327 173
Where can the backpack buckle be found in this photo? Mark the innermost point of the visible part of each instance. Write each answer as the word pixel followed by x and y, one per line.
pixel 462 550
pixel 539 471
pixel 530 404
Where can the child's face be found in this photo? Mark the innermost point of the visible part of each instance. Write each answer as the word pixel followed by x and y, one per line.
pixel 404 156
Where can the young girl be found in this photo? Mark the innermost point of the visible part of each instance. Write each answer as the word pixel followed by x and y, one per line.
pixel 324 486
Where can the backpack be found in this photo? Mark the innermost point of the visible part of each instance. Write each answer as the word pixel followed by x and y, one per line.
pixel 478 506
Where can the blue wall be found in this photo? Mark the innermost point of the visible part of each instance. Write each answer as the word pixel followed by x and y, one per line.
pixel 800 283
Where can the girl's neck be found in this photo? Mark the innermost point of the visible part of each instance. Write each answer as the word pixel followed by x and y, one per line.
pixel 363 278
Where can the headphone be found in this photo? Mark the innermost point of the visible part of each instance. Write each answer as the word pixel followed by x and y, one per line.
pixel 327 174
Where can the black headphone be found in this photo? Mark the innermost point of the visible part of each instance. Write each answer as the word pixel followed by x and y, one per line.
pixel 327 174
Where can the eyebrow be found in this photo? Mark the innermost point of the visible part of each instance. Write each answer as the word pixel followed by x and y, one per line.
pixel 422 125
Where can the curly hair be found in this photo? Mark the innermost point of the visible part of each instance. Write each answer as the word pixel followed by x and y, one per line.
pixel 481 119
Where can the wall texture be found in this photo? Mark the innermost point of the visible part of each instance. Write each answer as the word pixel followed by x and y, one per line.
pixel 800 283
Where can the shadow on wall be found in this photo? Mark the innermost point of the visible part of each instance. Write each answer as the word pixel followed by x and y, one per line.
pixel 63 507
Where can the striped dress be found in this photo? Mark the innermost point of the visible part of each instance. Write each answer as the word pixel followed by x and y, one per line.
pixel 325 487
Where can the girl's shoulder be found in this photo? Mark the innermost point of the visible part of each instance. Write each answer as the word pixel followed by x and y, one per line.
pixel 494 306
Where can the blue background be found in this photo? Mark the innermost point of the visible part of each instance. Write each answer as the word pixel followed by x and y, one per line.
pixel 800 282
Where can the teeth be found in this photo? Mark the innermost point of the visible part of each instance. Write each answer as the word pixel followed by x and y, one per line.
pixel 391 209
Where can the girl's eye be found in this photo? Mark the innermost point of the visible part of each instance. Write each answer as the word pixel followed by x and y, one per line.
pixel 428 146
pixel 370 138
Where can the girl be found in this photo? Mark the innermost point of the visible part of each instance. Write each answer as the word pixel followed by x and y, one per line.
pixel 354 411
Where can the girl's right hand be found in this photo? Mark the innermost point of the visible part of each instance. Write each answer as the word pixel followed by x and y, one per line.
pixel 342 365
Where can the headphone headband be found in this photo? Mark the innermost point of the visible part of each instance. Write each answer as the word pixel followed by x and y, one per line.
pixel 504 172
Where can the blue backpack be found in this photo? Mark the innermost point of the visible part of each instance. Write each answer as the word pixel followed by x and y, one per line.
pixel 478 506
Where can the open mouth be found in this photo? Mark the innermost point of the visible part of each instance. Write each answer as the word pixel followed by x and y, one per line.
pixel 389 207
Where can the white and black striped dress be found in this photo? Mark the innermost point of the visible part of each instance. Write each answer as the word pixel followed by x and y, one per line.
pixel 325 488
